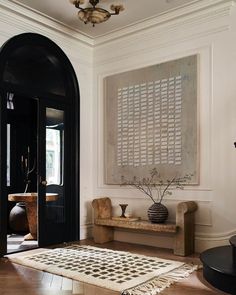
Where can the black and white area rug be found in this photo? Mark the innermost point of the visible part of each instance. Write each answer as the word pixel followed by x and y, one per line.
pixel 130 274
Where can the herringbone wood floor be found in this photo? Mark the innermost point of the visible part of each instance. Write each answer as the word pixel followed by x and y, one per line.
pixel 20 280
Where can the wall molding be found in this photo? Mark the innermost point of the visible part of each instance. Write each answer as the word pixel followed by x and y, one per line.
pixel 116 187
pixel 167 241
pixel 203 241
pixel 164 39
pixel 215 236
pixel 205 57
pixel 143 197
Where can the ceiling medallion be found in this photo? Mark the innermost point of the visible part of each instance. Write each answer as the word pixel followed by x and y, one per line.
pixel 95 15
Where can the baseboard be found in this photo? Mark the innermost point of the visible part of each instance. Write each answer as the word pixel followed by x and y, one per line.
pixel 167 240
pixel 202 243
pixel 207 241
pixel 86 231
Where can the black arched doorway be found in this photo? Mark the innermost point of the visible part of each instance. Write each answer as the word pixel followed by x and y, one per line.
pixel 39 148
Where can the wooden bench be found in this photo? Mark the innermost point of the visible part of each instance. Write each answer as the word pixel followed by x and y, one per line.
pixel 183 229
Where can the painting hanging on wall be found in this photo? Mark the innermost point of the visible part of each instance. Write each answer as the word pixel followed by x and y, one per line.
pixel 151 121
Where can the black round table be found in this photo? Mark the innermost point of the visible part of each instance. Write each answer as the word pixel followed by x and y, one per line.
pixel 219 267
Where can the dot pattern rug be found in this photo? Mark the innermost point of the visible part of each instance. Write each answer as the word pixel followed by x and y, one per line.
pixel 130 274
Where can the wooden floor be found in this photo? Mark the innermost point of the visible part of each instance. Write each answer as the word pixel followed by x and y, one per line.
pixel 20 280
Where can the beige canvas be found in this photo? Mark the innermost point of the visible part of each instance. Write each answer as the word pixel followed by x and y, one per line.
pixel 151 121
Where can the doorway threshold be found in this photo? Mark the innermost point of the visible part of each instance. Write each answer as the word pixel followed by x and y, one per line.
pixel 16 243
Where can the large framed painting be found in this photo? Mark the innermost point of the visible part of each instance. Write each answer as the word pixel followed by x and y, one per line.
pixel 151 121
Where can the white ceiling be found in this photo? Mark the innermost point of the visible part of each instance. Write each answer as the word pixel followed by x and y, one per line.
pixel 135 11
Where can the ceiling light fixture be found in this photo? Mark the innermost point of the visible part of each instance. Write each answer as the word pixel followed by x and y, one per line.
pixel 95 15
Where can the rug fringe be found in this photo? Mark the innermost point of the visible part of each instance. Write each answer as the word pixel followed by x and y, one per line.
pixel 158 284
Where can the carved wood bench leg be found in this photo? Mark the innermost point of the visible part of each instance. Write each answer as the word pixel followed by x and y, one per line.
pixel 184 239
pixel 102 209
pixel 102 234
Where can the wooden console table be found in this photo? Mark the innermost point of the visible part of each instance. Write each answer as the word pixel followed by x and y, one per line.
pixel 183 229
pixel 30 200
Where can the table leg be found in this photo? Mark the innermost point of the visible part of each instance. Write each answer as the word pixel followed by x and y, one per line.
pixel 31 210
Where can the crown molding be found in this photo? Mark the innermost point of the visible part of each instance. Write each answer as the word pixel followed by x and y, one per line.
pixel 203 10
pixel 214 8
pixel 16 24
pixel 18 9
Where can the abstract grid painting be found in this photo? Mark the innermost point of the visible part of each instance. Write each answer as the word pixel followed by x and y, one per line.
pixel 151 121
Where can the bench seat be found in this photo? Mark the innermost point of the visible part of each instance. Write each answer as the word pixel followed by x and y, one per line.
pixel 139 225
pixel 183 229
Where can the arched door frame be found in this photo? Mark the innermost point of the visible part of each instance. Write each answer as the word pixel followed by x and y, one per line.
pixel 71 97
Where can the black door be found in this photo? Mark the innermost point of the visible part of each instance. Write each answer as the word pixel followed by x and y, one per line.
pixel 34 67
pixel 3 176
pixel 54 173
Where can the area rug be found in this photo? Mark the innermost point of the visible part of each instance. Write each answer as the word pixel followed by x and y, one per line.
pixel 127 273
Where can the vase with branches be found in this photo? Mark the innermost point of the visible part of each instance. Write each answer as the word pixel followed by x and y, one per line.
pixel 156 188
pixel 27 169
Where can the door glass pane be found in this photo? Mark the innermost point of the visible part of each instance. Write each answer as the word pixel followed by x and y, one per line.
pixel 53 156
pixel 54 165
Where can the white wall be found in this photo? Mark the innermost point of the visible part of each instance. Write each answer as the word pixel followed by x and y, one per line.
pixel 81 57
pixel 210 33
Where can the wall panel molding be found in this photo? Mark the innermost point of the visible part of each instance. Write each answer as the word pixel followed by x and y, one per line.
pixel 154 41
pixel 205 117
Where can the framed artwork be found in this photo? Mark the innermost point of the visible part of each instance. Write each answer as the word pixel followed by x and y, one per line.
pixel 151 121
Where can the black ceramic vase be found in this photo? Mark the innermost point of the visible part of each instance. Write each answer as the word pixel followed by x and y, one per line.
pixel 157 213
pixel 18 219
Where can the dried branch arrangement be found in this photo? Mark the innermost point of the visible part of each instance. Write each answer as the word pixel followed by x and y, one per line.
pixel 155 187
